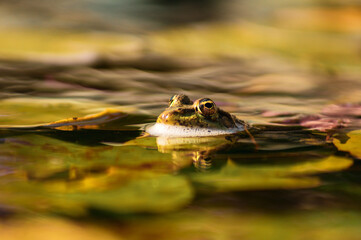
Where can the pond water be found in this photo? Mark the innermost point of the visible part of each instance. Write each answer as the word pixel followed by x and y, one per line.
pixel 75 162
pixel 100 172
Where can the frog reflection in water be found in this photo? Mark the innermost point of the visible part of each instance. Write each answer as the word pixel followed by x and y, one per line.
pixel 195 131
pixel 199 151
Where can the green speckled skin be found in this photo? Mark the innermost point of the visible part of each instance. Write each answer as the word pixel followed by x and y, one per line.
pixel 183 112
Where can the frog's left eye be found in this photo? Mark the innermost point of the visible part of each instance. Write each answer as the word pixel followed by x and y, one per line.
pixel 206 107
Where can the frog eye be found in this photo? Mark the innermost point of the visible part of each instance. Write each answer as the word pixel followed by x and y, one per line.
pixel 179 100
pixel 206 107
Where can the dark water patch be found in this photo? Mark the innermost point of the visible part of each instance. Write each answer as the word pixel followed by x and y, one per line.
pixel 93 137
pixel 87 137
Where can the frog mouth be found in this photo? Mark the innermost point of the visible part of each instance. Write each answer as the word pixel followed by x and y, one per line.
pixel 161 129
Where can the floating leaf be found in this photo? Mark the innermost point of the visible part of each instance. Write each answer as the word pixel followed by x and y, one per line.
pixel 90 120
pixel 35 112
pixel 30 111
pixel 235 177
pixel 156 194
pixel 352 145
pixel 52 175
pixel 235 219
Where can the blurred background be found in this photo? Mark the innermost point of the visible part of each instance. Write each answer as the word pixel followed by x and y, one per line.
pixel 42 40
pixel 263 60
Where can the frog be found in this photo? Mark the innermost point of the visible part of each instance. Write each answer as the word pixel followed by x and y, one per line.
pixel 185 118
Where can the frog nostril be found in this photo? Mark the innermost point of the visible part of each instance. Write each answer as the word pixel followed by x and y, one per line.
pixel 165 116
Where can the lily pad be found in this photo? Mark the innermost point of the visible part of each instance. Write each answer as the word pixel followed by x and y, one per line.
pixel 30 111
pixel 238 222
pixel 66 114
pixel 46 174
pixel 234 177
pixel 157 194
pixel 352 145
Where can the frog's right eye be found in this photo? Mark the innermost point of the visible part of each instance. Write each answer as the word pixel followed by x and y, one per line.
pixel 206 107
pixel 179 100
